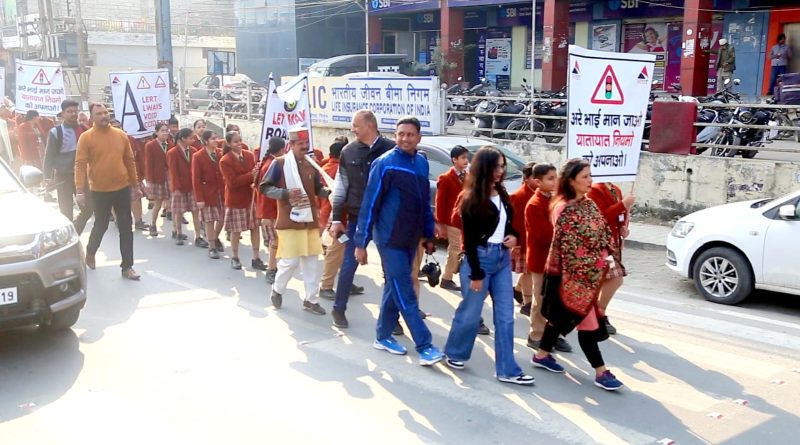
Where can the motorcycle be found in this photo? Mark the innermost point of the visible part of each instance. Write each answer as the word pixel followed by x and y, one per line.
pixel 749 137
pixel 541 108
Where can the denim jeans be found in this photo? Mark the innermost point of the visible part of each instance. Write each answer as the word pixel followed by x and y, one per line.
pixel 496 263
pixel 399 297
pixel 348 270
pixel 773 77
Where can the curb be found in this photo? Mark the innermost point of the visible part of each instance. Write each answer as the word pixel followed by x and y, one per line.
pixel 641 245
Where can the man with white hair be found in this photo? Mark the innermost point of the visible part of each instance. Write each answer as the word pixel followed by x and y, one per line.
pixel 726 63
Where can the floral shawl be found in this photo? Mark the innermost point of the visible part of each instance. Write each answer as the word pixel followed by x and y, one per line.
pixel 581 243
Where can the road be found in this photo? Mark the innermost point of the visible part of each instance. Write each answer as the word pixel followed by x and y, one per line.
pixel 193 354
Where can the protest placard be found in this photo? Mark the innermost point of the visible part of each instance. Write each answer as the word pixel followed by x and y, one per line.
pixel 40 87
pixel 141 100
pixel 287 107
pixel 607 109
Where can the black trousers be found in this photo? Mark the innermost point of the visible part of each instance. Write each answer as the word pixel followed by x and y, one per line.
pixel 587 340
pixel 120 201
pixel 65 190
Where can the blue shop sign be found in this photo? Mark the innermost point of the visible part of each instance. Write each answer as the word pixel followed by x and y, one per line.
pixel 618 9
pixel 392 6
pixel 426 21
pixel 475 19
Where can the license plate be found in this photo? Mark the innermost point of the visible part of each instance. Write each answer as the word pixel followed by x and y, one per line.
pixel 8 295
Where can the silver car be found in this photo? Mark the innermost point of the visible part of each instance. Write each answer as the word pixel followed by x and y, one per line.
pixel 42 264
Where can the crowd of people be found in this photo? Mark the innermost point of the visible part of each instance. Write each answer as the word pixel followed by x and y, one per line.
pixel 560 232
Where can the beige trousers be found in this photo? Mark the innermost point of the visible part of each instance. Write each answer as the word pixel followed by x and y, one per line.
pixel 334 257
pixel 453 252
pixel 537 320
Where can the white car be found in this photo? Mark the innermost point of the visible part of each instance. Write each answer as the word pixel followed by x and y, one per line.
pixel 731 249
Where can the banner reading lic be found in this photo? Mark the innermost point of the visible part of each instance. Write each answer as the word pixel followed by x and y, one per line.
pixel 40 87
pixel 141 100
pixel 607 109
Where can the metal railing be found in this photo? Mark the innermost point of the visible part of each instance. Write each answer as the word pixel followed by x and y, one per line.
pixel 149 27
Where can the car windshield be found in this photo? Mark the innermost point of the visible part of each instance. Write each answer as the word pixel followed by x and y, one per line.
pixel 8 184
pixel 440 163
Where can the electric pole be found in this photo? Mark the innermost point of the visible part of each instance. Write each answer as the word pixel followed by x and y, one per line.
pixel 164 38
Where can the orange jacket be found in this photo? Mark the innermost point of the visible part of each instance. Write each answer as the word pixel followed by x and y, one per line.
pixel 448 187
pixel 519 200
pixel 180 169
pixel 266 208
pixel 207 181
pixel 610 206
pixel 539 232
pixel 156 170
pixel 137 145
pixel 238 176
pixel 331 167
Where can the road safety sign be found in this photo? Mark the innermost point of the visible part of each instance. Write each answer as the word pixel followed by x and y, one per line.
pixel 608 90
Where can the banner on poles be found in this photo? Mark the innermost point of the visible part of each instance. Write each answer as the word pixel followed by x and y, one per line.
pixel 40 87
pixel 287 107
pixel 141 99
pixel 607 108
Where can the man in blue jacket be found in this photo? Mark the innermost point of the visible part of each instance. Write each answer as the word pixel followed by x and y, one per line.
pixel 396 213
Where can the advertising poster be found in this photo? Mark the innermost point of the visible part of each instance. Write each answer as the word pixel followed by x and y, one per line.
pixel 40 87
pixel 648 38
pixel 334 100
pixel 287 107
pixel 672 74
pixel 141 100
pixel 607 110
pixel 498 58
pixel 604 37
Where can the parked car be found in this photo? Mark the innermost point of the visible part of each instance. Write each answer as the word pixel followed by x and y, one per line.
pixel 356 63
pixel 437 150
pixel 730 250
pixel 42 264
pixel 200 93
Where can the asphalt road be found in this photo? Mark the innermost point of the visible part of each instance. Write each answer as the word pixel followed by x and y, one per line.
pixel 194 354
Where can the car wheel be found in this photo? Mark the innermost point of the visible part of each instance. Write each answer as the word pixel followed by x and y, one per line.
pixel 723 275
pixel 64 319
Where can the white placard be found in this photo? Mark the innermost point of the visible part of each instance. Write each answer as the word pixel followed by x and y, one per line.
pixel 141 99
pixel 607 108
pixel 40 87
pixel 287 107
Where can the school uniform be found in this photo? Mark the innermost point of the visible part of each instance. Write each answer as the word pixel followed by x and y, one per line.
pixel 156 170
pixel 266 208
pixel 608 198
pixel 519 200
pixel 180 180
pixel 237 172
pixel 137 145
pixel 208 184
pixel 538 237
pixel 448 187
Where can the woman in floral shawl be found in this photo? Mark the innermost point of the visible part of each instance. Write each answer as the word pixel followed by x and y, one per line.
pixel 576 267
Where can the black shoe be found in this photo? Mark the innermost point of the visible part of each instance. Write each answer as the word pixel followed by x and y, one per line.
pixel 398 330
pixel 277 300
pixel 314 308
pixel 236 264
pixel 270 275
pixel 483 329
pixel 609 327
pixel 450 285
pixel 525 309
pixel 327 294
pixel 213 254
pixel 141 225
pixel 258 264
pixel 533 344
pixel 518 296
pixel 200 242
pixel 562 345
pixel 356 290
pixel 218 245
pixel 339 319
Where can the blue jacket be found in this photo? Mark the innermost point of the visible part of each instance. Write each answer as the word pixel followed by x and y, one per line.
pixel 396 211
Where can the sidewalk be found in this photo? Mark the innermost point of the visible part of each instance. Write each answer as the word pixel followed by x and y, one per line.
pixel 647 236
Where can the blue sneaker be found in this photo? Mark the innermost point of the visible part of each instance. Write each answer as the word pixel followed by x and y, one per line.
pixel 390 344
pixel 608 382
pixel 430 356
pixel 549 363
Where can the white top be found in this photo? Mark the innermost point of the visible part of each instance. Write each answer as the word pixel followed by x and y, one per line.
pixel 499 231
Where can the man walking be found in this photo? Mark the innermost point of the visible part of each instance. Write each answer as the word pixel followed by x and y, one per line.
pixel 726 63
pixel 779 55
pixel 105 155
pixel 59 159
pixel 397 214
pixel 351 181
pixel 294 183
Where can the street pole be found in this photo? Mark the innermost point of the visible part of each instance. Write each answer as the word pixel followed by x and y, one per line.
pixel 164 39
pixel 43 22
pixel 533 58
pixel 366 32
pixel 182 91
pixel 83 76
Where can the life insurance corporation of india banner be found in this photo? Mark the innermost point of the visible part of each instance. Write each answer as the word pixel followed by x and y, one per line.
pixel 607 108
pixel 334 100
pixel 141 99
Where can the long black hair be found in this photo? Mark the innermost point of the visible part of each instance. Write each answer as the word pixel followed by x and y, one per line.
pixel 480 182
pixel 228 138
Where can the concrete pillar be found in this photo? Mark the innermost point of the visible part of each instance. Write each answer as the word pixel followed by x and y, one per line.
pixel 375 35
pixel 696 40
pixel 556 44
pixel 452 32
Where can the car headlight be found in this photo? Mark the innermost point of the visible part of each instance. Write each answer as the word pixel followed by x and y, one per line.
pixel 56 239
pixel 682 229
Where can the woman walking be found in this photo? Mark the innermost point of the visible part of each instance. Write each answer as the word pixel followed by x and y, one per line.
pixel 486 215
pixel 209 188
pixel 156 173
pixel 239 173
pixel 578 262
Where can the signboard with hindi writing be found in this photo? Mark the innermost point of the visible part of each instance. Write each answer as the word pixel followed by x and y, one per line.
pixel 141 99
pixel 40 87
pixel 607 108
pixel 287 107
pixel 334 100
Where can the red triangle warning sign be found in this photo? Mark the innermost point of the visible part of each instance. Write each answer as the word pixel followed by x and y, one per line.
pixel 608 91
pixel 143 84
pixel 160 83
pixel 40 78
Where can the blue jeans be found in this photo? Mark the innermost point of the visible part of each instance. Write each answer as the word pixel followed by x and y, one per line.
pixel 399 297
pixel 348 269
pixel 773 78
pixel 496 263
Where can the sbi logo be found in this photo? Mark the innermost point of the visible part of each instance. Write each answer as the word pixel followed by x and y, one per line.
pixel 380 4
pixel 624 4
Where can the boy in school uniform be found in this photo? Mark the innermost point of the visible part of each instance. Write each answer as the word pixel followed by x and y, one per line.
pixel 523 291
pixel 448 187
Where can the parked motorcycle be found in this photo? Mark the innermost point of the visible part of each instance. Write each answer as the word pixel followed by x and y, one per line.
pixel 541 108
pixel 748 137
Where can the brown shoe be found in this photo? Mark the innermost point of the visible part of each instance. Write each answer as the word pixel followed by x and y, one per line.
pixel 130 274
pixel 90 262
